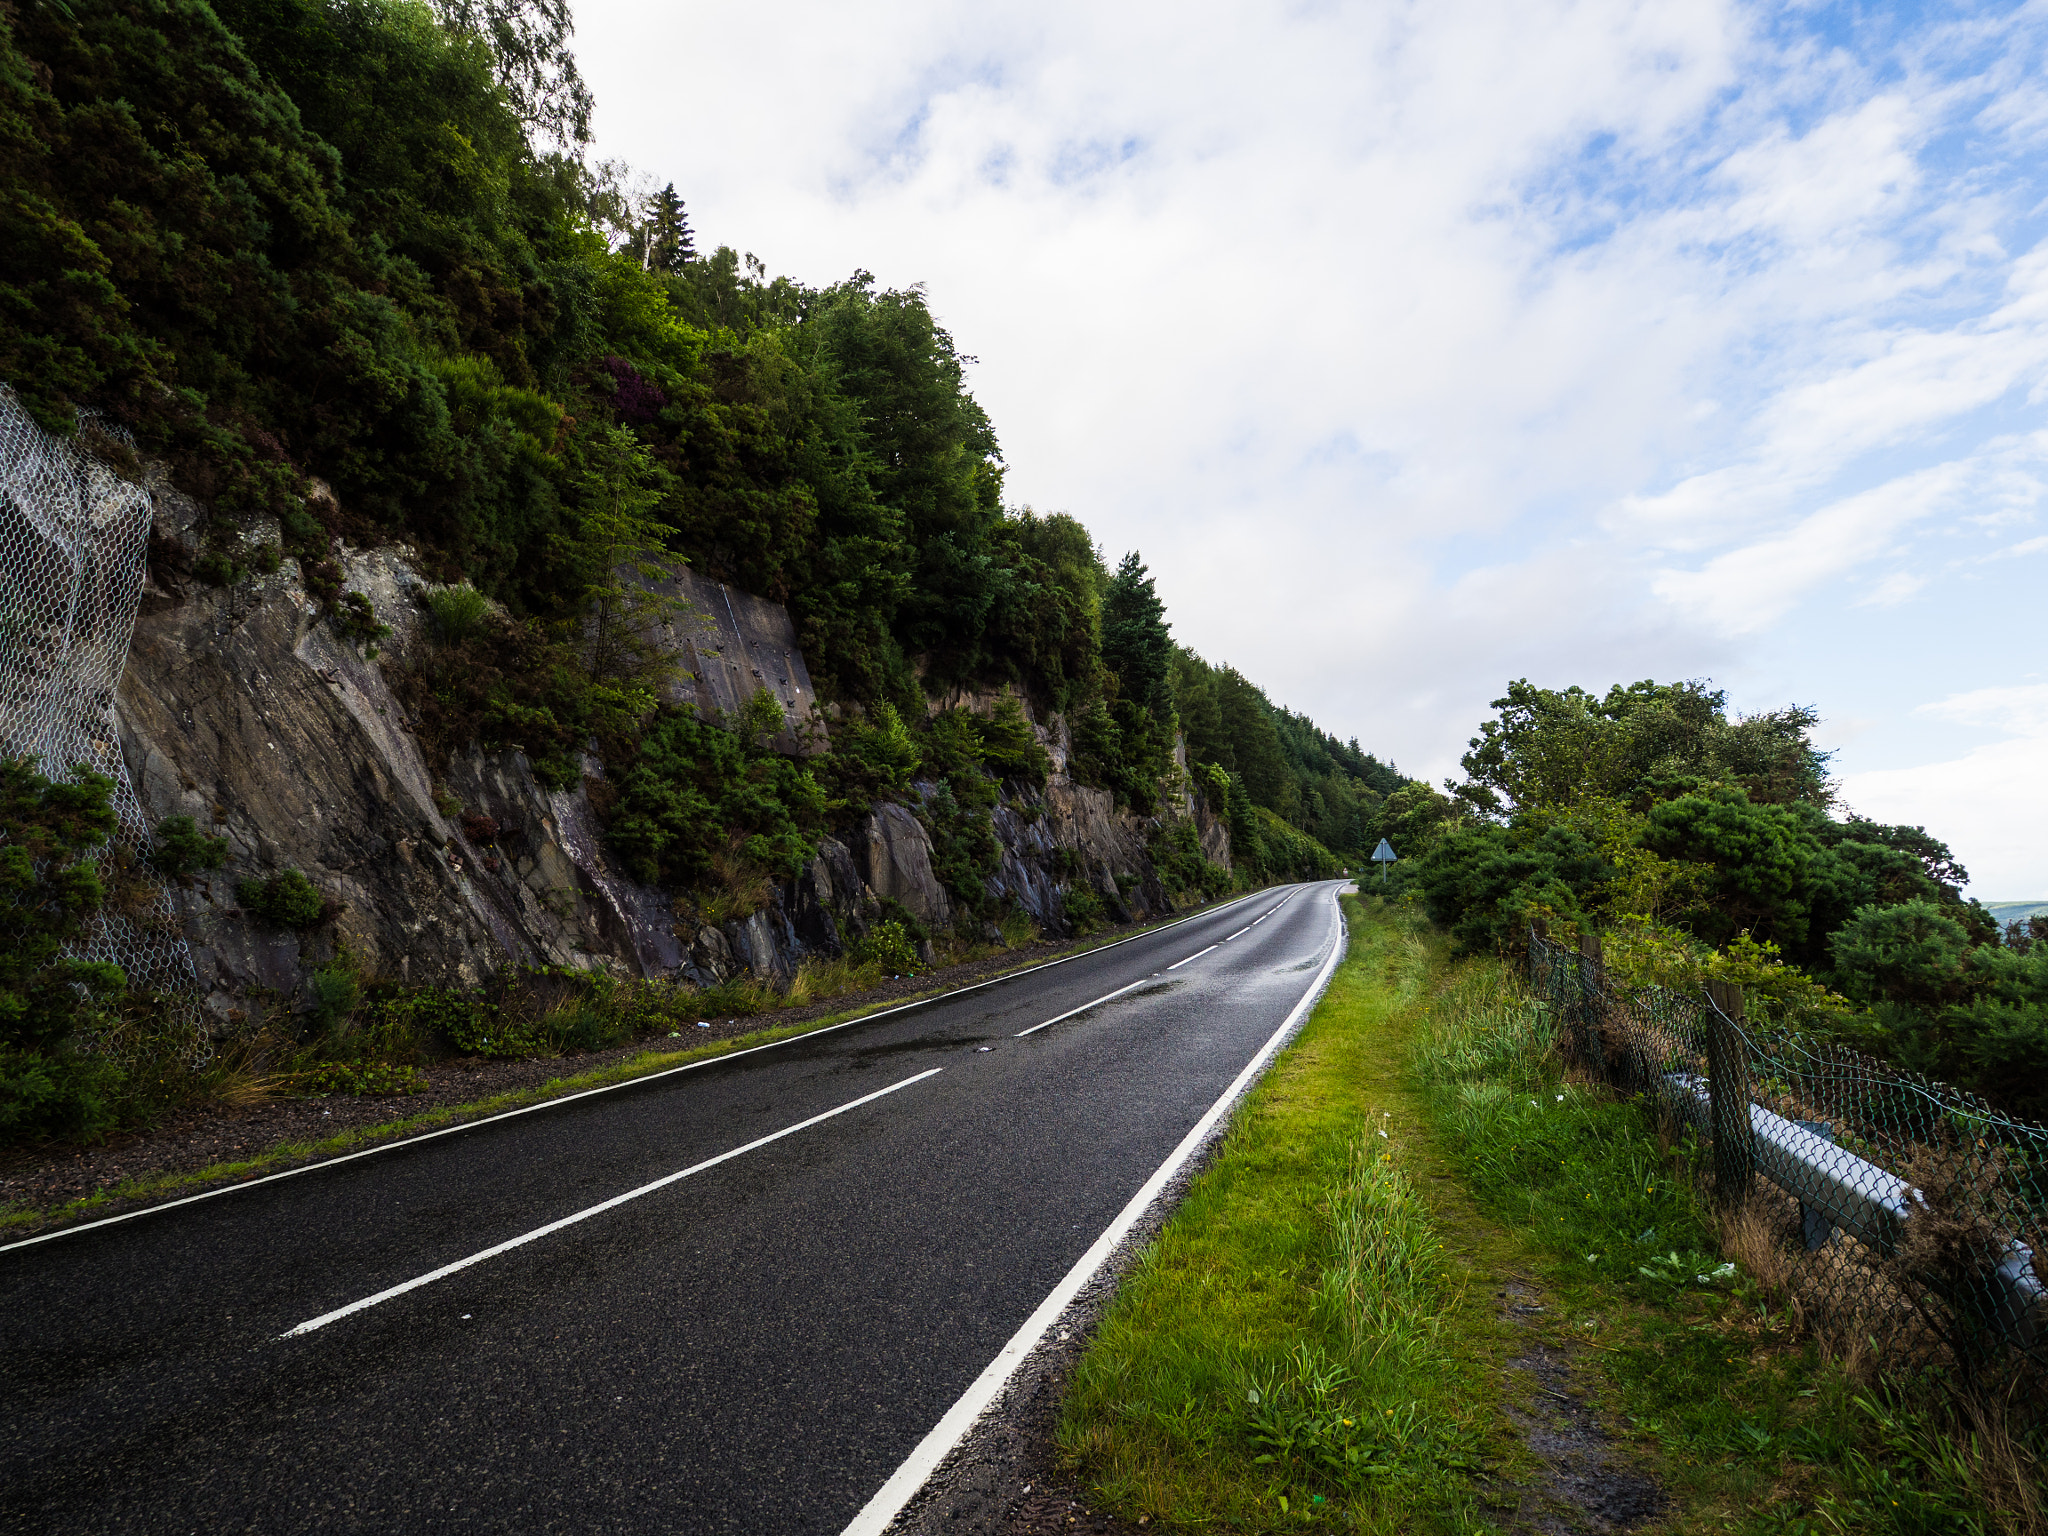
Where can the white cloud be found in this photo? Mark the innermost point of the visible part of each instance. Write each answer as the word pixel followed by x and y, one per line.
pixel 1992 811
pixel 1421 346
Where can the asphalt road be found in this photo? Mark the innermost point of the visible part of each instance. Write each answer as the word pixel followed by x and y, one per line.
pixel 754 1347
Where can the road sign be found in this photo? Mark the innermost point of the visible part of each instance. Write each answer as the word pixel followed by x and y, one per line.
pixel 1383 856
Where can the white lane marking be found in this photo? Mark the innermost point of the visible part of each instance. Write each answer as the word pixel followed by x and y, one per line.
pixel 1191 958
pixel 596 1210
pixel 630 1082
pixel 1119 992
pixel 1247 928
pixel 903 1485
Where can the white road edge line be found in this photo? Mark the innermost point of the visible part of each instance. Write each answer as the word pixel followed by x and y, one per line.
pixel 595 1210
pixel 903 1485
pixel 1194 957
pixel 584 1093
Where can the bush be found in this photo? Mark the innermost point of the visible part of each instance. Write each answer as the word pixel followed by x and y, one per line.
pixel 888 947
pixel 182 849
pixel 1083 909
pixel 50 892
pixel 286 900
pixel 457 612
pixel 374 1079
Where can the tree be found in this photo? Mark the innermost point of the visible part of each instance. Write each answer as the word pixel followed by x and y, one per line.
pixel 666 239
pixel 529 39
pixel 622 549
pixel 1136 643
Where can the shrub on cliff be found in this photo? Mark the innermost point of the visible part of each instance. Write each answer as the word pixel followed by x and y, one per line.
pixel 286 900
pixel 50 892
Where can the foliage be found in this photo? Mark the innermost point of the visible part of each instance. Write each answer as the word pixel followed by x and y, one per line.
pixel 50 891
pixel 1974 1014
pixel 457 611
pixel 1183 867
pixel 286 900
pixel 887 947
pixel 182 850
pixel 693 787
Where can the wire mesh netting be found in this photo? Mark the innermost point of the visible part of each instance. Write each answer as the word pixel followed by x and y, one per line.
pixel 1891 1208
pixel 74 536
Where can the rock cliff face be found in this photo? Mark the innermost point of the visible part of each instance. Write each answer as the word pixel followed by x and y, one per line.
pixel 241 707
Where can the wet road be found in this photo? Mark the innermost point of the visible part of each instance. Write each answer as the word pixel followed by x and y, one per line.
pixel 731 1299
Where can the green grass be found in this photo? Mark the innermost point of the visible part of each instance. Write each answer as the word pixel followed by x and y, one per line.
pixel 1753 1427
pixel 1312 1342
pixel 1281 1358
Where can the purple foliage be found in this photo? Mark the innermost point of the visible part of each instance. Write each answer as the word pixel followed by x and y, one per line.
pixel 636 401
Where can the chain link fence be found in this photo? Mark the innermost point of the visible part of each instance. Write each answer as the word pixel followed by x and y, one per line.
pixel 1892 1210
pixel 74 536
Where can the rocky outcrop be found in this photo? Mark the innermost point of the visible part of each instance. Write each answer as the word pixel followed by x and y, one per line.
pixel 242 707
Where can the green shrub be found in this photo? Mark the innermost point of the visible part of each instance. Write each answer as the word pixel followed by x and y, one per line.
pixel 286 900
pixel 50 892
pixel 182 849
pixel 1084 909
pixel 1008 745
pixel 334 990
pixel 457 611
pixel 373 1079
pixel 356 621
pixel 888 947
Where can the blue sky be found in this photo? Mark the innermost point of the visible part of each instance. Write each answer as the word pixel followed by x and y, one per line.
pixel 1424 346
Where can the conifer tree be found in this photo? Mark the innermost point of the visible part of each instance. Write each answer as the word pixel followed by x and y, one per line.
pixel 669 245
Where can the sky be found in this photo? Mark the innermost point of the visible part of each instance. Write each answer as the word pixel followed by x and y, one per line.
pixel 1421 347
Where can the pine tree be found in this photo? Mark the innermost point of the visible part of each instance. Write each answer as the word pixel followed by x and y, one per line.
pixel 668 242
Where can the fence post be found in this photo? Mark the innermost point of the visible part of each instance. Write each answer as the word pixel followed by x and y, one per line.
pixel 1592 974
pixel 1728 1082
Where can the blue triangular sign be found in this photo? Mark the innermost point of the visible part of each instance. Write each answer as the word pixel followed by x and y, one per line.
pixel 1384 854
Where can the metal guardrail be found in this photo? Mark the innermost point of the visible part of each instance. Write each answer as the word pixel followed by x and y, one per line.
pixel 1905 1210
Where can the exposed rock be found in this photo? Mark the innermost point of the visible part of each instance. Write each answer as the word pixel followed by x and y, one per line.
pixel 242 707
pixel 893 853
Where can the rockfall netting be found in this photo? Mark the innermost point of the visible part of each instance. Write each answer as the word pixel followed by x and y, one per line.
pixel 74 535
pixel 1890 1209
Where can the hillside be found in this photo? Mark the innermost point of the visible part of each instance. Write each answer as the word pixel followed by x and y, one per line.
pixel 455 464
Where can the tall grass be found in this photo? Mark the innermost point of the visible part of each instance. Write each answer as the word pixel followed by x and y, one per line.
pixel 1762 1425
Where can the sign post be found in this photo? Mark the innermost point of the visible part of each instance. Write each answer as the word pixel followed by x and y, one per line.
pixel 1383 856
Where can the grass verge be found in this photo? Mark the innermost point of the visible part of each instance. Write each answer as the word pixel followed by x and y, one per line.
pixel 1756 1427
pixel 1312 1342
pixel 1287 1354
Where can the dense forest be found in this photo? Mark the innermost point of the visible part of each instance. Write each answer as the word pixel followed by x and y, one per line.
pixel 346 264
pixel 1701 845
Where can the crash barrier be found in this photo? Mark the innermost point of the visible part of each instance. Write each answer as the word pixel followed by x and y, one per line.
pixel 74 537
pixel 1895 1209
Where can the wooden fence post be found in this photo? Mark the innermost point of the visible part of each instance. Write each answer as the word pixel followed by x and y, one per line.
pixel 1592 990
pixel 1728 1081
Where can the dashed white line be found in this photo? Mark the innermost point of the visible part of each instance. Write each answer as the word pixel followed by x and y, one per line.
pixel 1191 958
pixel 1119 992
pixel 602 1206
pixel 632 1082
pixel 1247 928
